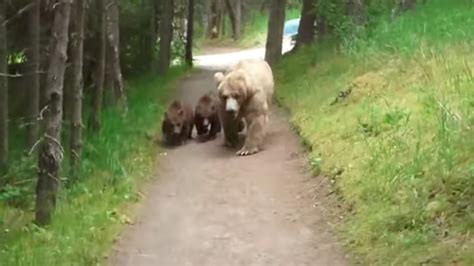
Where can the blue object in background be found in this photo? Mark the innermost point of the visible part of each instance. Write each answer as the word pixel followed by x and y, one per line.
pixel 290 29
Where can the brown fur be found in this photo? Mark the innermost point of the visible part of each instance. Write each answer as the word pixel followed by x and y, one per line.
pixel 206 118
pixel 246 92
pixel 231 126
pixel 177 123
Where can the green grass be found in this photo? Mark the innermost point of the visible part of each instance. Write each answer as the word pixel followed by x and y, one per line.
pixel 91 212
pixel 398 143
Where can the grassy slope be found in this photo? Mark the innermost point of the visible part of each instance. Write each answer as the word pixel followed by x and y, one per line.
pixel 400 147
pixel 91 213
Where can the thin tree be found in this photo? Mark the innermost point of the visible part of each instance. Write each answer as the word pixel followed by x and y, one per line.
pixel 238 19
pixel 166 36
pixel 98 92
pixel 113 45
pixel 356 10
pixel 153 35
pixel 306 28
pixel 275 31
pixel 77 54
pixel 3 88
pixel 189 34
pixel 234 20
pixel 51 152
pixel 33 67
pixel 215 11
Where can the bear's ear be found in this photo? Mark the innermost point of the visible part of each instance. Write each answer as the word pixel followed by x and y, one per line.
pixel 166 114
pixel 219 77
pixel 181 112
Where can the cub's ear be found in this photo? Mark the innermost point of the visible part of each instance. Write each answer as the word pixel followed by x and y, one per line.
pixel 165 114
pixel 219 77
pixel 181 112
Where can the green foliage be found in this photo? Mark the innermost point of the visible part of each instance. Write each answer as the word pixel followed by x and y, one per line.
pixel 135 30
pixel 135 33
pixel 92 210
pixel 254 30
pixel 397 143
pixel 432 24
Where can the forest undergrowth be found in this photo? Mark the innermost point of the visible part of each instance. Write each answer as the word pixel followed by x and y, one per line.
pixel 91 211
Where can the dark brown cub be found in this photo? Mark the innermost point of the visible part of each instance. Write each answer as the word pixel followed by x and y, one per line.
pixel 206 117
pixel 177 123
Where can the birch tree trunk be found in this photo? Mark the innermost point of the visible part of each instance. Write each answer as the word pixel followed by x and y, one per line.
pixel 51 152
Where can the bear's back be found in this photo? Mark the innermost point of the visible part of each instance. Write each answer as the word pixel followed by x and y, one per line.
pixel 260 75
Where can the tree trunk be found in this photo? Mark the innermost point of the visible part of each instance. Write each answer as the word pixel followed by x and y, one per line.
pixel 222 16
pixel 51 152
pixel 306 27
pixel 77 54
pixel 113 41
pixel 166 36
pixel 3 89
pixel 153 36
pixel 356 10
pixel 232 17
pixel 321 27
pixel 275 31
pixel 214 21
pixel 208 20
pixel 238 19
pixel 189 33
pixel 98 92
pixel 33 67
pixel 235 13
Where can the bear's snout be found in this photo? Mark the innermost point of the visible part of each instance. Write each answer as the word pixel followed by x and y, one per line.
pixel 231 106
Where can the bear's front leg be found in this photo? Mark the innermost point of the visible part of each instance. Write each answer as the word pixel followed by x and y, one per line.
pixel 256 128
pixel 231 136
pixel 229 126
pixel 215 127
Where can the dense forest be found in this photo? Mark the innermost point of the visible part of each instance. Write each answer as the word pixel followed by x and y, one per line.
pixel 380 92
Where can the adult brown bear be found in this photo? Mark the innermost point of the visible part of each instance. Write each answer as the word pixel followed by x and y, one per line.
pixel 246 91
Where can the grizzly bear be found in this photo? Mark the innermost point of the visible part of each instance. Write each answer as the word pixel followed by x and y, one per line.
pixel 206 117
pixel 177 123
pixel 246 91
pixel 231 126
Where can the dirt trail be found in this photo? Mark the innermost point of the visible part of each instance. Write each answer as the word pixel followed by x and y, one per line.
pixel 209 207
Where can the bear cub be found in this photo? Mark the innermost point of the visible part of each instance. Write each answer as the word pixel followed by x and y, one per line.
pixel 206 117
pixel 177 123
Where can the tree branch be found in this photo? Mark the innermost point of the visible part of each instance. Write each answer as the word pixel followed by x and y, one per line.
pixel 18 75
pixel 18 14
